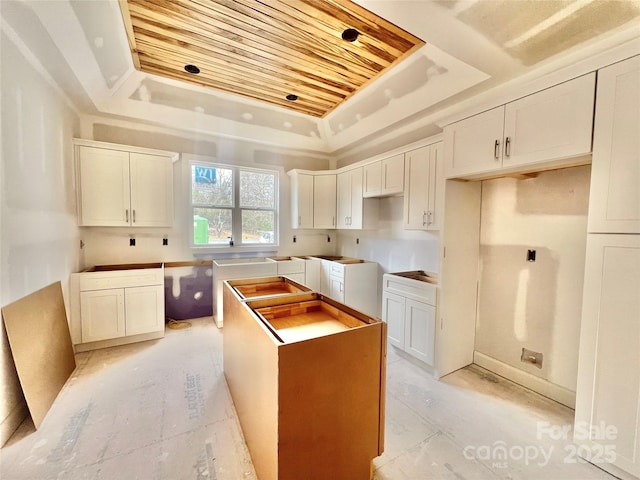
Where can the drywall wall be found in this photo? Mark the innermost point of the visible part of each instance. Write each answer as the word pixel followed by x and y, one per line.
pixel 39 237
pixel 111 245
pixel 533 305
pixel 394 248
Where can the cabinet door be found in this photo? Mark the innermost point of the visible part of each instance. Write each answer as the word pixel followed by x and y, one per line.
pixel 419 330
pixel 103 187
pixel 608 390
pixel 372 180
pixel 151 190
pixel 325 277
pixel 393 175
pixel 614 205
pixel 393 311
pixel 302 201
pixel 102 314
pixel 552 124
pixel 474 145
pixel 144 309
pixel 416 191
pixel 324 201
pixel 356 218
pixel 337 289
pixel 436 187
pixel 344 199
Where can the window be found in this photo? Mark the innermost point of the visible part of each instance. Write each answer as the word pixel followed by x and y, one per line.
pixel 233 205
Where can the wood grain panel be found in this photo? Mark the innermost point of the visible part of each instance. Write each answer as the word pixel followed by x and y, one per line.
pixel 266 50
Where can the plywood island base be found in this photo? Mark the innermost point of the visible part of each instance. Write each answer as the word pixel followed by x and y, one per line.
pixel 307 377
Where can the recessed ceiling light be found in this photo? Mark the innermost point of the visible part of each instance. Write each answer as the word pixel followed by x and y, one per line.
pixel 192 69
pixel 292 97
pixel 350 35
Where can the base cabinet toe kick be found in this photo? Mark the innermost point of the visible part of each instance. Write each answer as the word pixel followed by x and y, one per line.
pixel 307 378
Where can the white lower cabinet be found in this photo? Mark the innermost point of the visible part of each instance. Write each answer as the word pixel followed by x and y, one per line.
pixel 607 429
pixel 419 330
pixel 102 314
pixel 352 282
pixel 115 305
pixel 409 308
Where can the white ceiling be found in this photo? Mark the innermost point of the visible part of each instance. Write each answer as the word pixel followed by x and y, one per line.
pixel 472 46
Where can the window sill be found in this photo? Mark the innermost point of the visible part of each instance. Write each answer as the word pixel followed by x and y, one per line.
pixel 228 251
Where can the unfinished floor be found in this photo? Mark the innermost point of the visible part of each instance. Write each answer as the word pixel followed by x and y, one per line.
pixel 161 410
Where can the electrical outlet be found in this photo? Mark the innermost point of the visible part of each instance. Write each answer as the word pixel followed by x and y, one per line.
pixel 531 255
pixel 357 241
pixel 294 239
pixel 328 238
pixel 165 241
pixel 132 242
pixel 529 356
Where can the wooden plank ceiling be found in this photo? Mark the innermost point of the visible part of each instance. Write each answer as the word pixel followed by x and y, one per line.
pixel 266 49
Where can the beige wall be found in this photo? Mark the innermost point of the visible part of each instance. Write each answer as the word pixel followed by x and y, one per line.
pixel 39 240
pixel 533 305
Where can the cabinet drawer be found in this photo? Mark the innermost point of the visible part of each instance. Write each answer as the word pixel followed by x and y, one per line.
pixel 337 270
pixel 285 268
pixel 121 279
pixel 415 290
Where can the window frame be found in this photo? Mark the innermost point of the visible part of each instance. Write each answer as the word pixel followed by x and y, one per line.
pixel 235 208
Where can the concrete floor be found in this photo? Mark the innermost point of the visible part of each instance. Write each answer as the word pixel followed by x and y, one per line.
pixel 161 410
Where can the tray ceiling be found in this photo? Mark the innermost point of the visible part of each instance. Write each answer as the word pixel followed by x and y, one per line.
pixel 266 50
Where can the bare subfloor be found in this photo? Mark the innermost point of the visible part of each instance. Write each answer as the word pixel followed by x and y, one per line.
pixel 161 410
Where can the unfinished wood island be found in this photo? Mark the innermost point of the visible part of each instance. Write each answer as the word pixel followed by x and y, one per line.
pixel 307 377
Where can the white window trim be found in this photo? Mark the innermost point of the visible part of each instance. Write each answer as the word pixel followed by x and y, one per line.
pixel 201 250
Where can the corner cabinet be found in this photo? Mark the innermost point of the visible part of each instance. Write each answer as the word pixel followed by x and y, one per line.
pixel 423 188
pixel 546 127
pixel 121 186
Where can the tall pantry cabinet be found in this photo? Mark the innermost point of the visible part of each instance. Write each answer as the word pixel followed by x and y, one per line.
pixel 607 429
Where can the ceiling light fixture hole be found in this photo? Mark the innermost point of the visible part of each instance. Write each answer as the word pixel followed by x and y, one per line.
pixel 292 97
pixel 192 69
pixel 350 35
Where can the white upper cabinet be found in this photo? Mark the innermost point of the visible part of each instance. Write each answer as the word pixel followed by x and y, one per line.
pixel 384 177
pixel 614 205
pixel 424 188
pixel 474 145
pixel 324 201
pixel 151 179
pixel 301 200
pixel 354 211
pixel 551 125
pixel 372 179
pixel 103 180
pixel 120 188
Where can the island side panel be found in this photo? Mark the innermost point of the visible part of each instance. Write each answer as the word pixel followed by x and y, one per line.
pixel 331 395
pixel 250 365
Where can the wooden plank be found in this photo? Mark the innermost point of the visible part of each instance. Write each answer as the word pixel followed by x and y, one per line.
pixel 41 346
pixel 265 50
